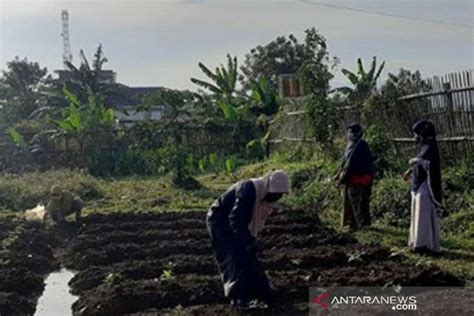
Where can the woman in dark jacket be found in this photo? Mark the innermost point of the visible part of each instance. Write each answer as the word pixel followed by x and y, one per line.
pixel 426 190
pixel 357 175
pixel 234 221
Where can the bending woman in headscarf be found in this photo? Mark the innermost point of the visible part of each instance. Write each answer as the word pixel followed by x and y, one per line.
pixel 357 175
pixel 426 190
pixel 234 221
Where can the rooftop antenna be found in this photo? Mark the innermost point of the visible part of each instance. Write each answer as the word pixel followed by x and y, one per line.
pixel 67 55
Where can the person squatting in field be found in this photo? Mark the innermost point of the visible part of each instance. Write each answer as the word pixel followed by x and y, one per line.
pixel 63 203
pixel 356 174
pixel 426 193
pixel 234 221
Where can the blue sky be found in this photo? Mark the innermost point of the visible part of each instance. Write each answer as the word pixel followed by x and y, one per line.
pixel 160 42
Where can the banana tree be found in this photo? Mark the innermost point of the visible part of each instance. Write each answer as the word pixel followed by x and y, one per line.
pixel 85 123
pixel 223 84
pixel 86 77
pixel 264 97
pixel 363 82
pixel 223 80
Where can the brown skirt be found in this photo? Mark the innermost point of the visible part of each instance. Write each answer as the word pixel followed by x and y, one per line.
pixel 356 212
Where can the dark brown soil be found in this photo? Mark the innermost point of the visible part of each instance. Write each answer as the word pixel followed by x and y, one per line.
pixel 26 256
pixel 163 264
pixel 121 259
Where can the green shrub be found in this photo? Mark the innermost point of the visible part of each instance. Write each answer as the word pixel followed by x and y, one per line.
pixel 312 186
pixel 459 178
pixel 391 201
pixel 323 118
pixel 384 151
pixel 318 196
pixel 302 177
pixel 20 192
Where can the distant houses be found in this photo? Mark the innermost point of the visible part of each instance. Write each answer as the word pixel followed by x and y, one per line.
pixel 124 99
pixel 127 100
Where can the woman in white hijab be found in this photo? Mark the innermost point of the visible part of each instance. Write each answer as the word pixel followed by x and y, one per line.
pixel 234 221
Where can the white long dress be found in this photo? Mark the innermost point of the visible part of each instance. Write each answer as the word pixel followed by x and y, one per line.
pixel 424 227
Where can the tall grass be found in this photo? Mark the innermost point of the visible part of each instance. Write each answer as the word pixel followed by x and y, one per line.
pixel 20 192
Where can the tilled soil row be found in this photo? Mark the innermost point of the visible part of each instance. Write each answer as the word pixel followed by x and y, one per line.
pixel 281 217
pixel 291 287
pixel 93 229
pixel 184 220
pixel 85 241
pixel 26 256
pixel 122 264
pixel 320 257
pixel 118 252
pixel 187 291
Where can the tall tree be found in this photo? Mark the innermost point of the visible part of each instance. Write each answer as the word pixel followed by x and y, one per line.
pixel 286 55
pixel 315 72
pixel 283 55
pixel 403 83
pixel 384 107
pixel 24 88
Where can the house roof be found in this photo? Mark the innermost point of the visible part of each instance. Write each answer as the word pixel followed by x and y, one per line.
pixel 129 96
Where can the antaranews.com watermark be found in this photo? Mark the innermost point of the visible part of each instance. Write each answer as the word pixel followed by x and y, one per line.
pixel 391 300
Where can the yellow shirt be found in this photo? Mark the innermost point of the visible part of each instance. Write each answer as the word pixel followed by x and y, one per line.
pixel 62 203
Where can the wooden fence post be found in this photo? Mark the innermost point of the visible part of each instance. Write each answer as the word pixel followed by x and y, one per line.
pixel 450 108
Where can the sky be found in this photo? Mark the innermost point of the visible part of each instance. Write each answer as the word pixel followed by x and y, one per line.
pixel 159 43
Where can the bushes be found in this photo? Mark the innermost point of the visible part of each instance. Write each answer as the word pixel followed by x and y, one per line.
pixel 391 200
pixel 323 118
pixel 459 178
pixel 458 183
pixel 386 160
pixel 312 186
pixel 319 195
pixel 27 190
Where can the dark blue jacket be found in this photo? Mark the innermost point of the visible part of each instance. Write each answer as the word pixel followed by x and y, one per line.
pixel 358 160
pixel 232 212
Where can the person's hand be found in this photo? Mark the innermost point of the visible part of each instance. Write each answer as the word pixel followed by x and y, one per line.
pixel 413 161
pixel 254 247
pixel 407 175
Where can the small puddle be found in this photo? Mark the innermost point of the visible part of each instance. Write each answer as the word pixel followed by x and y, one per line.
pixel 56 299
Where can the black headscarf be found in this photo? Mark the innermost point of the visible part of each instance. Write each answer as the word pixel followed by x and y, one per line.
pixel 428 151
pixel 358 159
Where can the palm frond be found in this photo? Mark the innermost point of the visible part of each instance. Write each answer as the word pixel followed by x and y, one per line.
pixel 373 66
pixel 206 85
pixel 99 59
pixel 343 90
pixel 84 60
pixel 361 70
pixel 207 71
pixel 379 71
pixel 351 76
